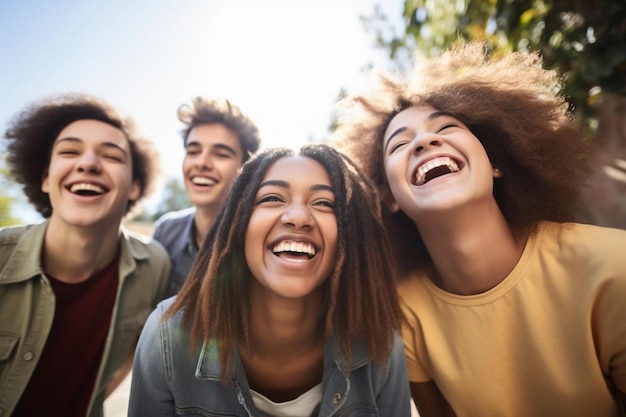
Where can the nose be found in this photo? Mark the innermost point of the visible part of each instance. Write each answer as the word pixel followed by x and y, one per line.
pixel 204 161
pixel 426 140
pixel 88 162
pixel 298 216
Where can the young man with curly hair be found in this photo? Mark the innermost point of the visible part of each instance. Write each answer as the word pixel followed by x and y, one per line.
pixel 514 309
pixel 76 289
pixel 218 138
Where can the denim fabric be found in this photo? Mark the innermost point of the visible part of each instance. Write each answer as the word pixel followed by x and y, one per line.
pixel 174 230
pixel 169 380
pixel 27 305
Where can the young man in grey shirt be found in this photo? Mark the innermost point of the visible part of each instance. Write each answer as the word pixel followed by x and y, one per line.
pixel 218 139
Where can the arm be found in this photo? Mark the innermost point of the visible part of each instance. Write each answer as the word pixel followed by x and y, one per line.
pixel 393 396
pixel 150 394
pixel 429 400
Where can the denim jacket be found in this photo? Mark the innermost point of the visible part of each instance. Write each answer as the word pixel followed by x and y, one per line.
pixel 169 380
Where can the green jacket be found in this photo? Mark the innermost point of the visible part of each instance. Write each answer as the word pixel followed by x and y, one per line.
pixel 27 305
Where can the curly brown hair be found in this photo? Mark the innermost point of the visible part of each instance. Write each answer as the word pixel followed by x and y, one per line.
pixel 221 111
pixel 32 132
pixel 360 295
pixel 509 102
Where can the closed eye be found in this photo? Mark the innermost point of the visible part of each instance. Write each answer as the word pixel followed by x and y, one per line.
pixel 325 203
pixel 446 126
pixel 397 146
pixel 114 158
pixel 270 198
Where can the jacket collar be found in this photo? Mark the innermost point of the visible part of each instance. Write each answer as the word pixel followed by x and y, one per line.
pixel 209 366
pixel 25 261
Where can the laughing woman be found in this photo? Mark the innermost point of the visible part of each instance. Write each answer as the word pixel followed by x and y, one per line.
pixel 289 309
pixel 514 309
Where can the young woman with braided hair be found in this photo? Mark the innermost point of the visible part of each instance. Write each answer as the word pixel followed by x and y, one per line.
pixel 513 308
pixel 289 309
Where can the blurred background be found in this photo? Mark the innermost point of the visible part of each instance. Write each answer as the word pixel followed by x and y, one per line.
pixel 286 62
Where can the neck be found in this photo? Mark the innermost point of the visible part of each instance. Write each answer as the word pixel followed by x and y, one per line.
pixel 472 251
pixel 73 254
pixel 203 221
pixel 284 327
pixel 286 356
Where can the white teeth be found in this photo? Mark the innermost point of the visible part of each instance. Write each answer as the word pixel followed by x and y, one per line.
pixel 87 187
pixel 203 181
pixel 297 247
pixel 420 176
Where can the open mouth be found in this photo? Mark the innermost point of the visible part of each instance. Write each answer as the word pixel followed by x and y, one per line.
pixel 436 168
pixel 205 181
pixel 87 189
pixel 291 249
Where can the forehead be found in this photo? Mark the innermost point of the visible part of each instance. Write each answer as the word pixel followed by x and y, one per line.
pixel 297 169
pixel 214 134
pixel 94 132
pixel 411 116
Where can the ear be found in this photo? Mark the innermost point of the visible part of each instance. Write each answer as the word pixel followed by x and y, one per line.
pixel 389 200
pixel 45 185
pixel 497 173
pixel 135 191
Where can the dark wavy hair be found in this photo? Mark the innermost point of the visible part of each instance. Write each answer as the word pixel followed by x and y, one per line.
pixel 510 103
pixel 32 132
pixel 361 302
pixel 221 111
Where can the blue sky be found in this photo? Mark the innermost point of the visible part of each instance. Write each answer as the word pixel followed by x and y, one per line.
pixel 282 61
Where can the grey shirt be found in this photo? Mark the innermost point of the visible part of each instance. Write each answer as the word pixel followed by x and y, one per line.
pixel 175 231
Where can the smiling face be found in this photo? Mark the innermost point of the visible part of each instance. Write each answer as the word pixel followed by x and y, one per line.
pixel 213 157
pixel 433 163
pixel 89 178
pixel 291 239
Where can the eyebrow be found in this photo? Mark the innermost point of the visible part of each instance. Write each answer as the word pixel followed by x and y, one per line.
pixel 215 146
pixel 285 184
pixel 430 117
pixel 78 140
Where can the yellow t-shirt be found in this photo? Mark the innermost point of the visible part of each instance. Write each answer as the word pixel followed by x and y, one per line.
pixel 550 340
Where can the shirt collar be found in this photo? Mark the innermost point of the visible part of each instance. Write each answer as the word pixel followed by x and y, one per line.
pixel 25 260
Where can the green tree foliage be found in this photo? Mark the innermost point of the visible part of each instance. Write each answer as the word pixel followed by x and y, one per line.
pixel 584 39
pixel 6 200
pixel 174 198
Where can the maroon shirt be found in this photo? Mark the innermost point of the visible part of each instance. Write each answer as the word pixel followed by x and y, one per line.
pixel 64 378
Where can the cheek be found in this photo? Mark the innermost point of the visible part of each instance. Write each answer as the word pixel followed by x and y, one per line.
pixel 230 170
pixel 49 176
pixel 253 239
pixel 331 236
pixel 187 163
pixel 394 175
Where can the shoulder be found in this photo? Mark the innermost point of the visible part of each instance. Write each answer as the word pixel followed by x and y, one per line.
pixel 174 219
pixel 146 258
pixel 590 256
pixel 143 246
pixel 27 237
pixel 585 240
pixel 10 235
pixel 160 329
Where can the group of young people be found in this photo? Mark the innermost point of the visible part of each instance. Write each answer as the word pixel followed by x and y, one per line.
pixel 428 252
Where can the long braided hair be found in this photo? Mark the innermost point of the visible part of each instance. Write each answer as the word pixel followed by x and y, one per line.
pixel 361 303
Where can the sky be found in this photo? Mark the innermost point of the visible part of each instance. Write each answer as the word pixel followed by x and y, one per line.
pixel 283 62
